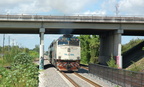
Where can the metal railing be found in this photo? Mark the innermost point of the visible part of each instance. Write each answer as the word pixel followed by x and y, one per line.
pixel 72 18
pixel 121 77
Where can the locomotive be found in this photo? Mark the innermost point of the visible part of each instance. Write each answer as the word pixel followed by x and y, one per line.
pixel 64 53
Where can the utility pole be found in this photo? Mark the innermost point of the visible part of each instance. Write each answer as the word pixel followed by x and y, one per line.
pixel 3 46
pixel 117 9
pixel 13 42
pixel 8 43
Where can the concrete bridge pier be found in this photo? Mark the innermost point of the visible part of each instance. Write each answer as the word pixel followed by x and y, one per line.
pixel 41 51
pixel 117 47
pixel 110 45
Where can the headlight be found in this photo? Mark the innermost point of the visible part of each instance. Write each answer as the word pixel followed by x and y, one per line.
pixel 78 58
pixel 59 57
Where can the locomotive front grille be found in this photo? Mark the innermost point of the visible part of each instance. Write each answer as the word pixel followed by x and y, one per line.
pixel 68 65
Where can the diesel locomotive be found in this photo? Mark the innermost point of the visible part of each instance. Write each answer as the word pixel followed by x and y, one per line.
pixel 64 53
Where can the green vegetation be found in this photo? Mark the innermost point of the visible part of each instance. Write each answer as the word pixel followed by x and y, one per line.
pixel 112 63
pixel 89 48
pixel 22 72
pixel 131 44
pixel 10 52
pixel 137 66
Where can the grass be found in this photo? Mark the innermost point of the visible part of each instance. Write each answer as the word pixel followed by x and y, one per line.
pixel 3 63
pixel 137 66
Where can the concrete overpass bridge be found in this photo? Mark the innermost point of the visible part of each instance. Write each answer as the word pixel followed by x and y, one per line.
pixel 110 30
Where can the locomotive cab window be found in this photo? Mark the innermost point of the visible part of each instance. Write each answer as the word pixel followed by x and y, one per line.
pixel 62 42
pixel 74 43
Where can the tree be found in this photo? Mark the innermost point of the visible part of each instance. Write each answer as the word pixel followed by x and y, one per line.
pixel 131 44
pixel 36 48
pixel 89 48
pixel 85 51
pixel 94 48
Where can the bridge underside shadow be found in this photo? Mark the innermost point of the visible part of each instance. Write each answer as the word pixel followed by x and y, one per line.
pixel 53 31
pixel 77 31
pixel 68 31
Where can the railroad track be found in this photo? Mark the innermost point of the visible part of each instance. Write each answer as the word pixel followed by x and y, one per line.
pixel 76 79
pixel 84 66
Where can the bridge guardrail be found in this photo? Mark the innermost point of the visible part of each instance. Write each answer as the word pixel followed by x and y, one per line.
pixel 72 18
pixel 121 77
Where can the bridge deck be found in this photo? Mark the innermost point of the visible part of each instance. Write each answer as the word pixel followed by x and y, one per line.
pixel 30 24
pixel 112 19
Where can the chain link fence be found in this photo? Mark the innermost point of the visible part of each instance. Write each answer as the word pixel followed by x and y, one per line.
pixel 121 77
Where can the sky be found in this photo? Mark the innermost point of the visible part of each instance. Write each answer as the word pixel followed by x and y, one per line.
pixel 65 7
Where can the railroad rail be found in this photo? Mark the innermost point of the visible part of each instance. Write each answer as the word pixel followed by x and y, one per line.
pixel 73 82
pixel 87 80
pixel 81 77
pixel 84 66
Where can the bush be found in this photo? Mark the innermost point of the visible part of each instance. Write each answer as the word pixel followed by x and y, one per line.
pixel 94 60
pixel 34 54
pixel 22 58
pixel 112 63
pixel 23 73
pixel 20 76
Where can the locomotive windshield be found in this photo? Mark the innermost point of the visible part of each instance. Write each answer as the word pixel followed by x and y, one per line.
pixel 62 42
pixel 74 42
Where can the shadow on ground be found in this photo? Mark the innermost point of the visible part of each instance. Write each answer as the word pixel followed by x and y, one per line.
pixel 47 66
pixel 82 71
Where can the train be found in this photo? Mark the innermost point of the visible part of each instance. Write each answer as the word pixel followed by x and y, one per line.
pixel 64 53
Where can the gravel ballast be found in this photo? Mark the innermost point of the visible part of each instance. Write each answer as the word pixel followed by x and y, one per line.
pixel 51 77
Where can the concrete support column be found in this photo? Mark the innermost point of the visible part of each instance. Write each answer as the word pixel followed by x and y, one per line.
pixel 117 47
pixel 110 45
pixel 106 47
pixel 41 56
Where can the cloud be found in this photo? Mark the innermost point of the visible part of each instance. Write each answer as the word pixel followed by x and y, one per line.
pixel 33 6
pixel 10 5
pixel 69 6
pixel 95 13
pixel 132 7
pixel 125 7
pixel 109 6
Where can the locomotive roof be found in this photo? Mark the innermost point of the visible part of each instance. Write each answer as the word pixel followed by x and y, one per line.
pixel 67 36
pixel 64 36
